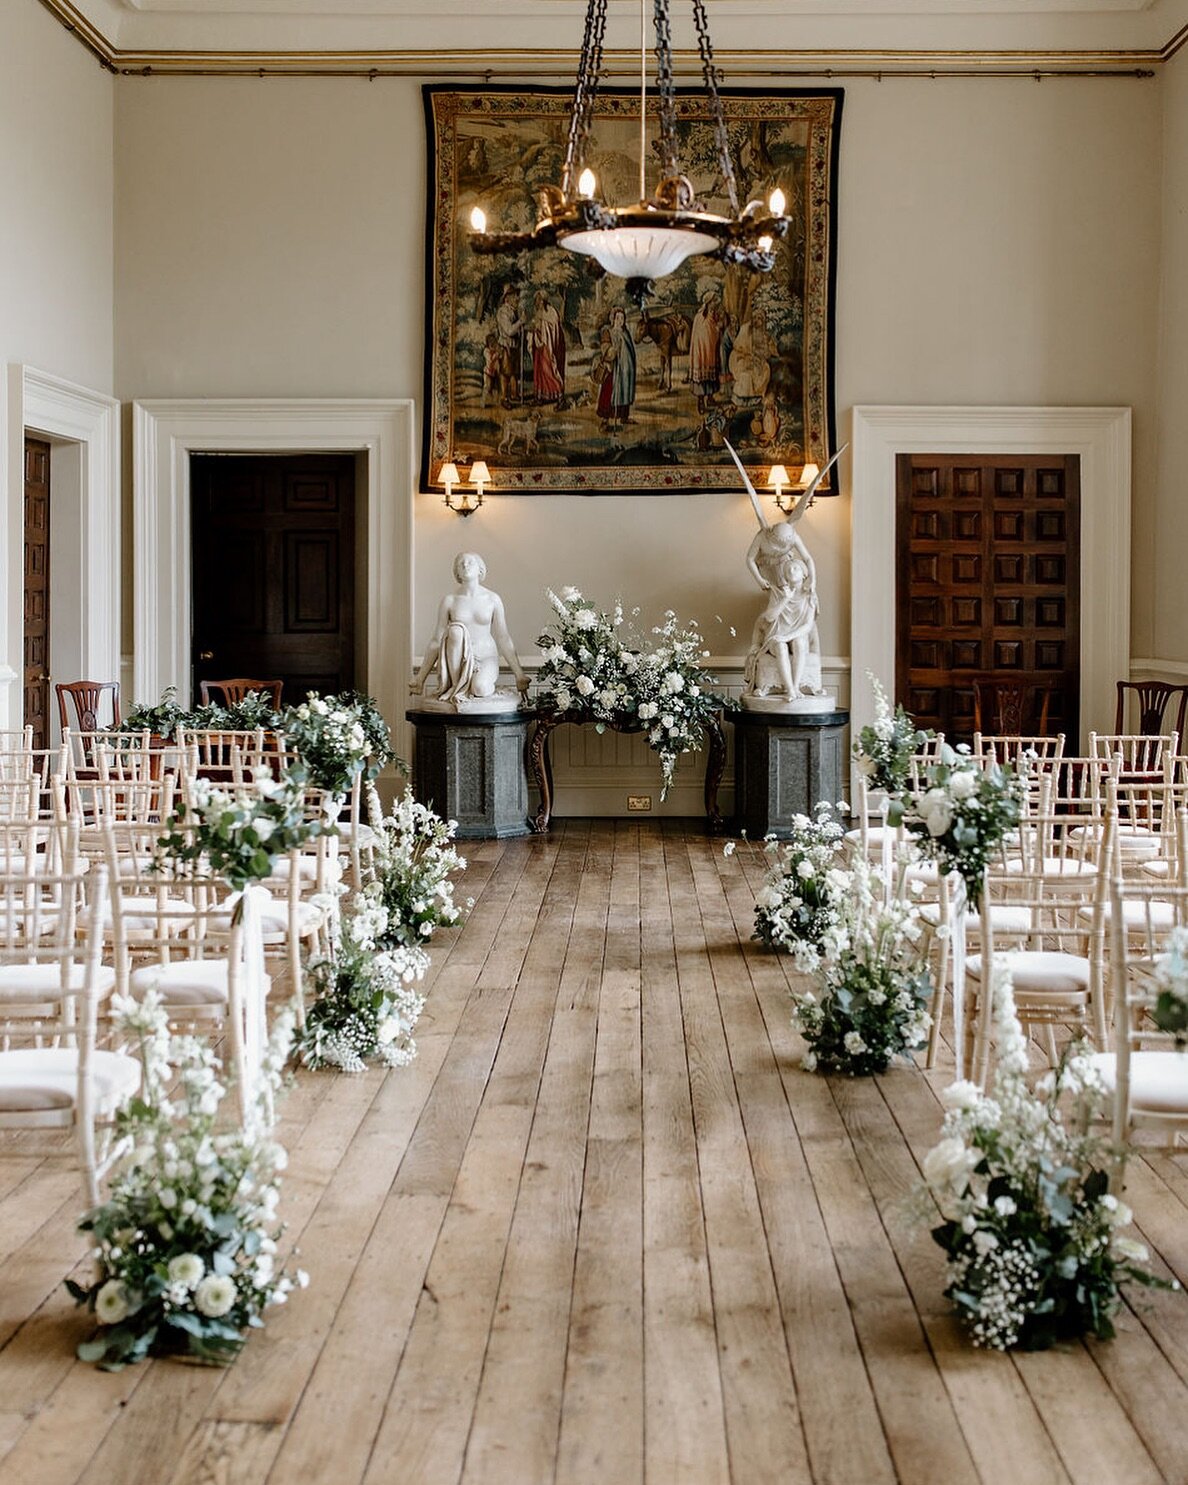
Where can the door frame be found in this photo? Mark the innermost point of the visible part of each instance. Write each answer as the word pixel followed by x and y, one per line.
pixel 82 427
pixel 1099 436
pixel 165 432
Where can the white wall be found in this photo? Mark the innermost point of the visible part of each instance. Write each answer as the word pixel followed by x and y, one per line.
pixel 56 201
pixel 1165 556
pixel 270 242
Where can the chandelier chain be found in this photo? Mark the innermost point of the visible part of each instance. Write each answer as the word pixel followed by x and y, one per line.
pixel 669 160
pixel 584 93
pixel 713 77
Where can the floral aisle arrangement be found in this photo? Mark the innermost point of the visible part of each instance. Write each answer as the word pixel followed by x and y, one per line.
pixel 884 750
pixel 339 739
pixel 798 902
pixel 240 838
pixel 366 1003
pixel 596 669
pixel 1037 1251
pixel 962 815
pixel 1170 1012
pixel 874 983
pixel 185 1245
pixel 414 863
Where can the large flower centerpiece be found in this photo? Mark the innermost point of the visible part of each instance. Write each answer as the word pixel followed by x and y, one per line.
pixel 185 1245
pixel 798 902
pixel 595 669
pixel 874 982
pixel 1037 1251
pixel 962 814
pixel 885 748
pixel 366 1002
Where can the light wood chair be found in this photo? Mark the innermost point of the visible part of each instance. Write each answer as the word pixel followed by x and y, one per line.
pixel 1142 754
pixel 53 1076
pixel 869 837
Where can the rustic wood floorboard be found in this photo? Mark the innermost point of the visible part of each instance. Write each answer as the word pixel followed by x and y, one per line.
pixel 603 1231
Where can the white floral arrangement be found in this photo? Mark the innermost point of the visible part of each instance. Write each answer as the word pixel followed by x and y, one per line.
pixel 884 750
pixel 1037 1251
pixel 185 1245
pixel 596 669
pixel 874 983
pixel 366 1002
pixel 1170 1012
pixel 339 739
pixel 238 837
pixel 798 901
pixel 964 812
pixel 412 871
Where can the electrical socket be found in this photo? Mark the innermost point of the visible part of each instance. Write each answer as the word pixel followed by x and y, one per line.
pixel 639 803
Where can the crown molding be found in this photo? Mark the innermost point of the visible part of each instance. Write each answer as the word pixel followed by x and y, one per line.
pixel 487 64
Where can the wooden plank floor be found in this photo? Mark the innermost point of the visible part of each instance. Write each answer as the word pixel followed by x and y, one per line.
pixel 602 1230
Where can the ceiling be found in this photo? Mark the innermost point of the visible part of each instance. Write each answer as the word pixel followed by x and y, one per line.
pixel 540 37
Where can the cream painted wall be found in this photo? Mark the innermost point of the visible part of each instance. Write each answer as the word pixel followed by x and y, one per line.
pixel 56 199
pixel 269 242
pixel 1165 557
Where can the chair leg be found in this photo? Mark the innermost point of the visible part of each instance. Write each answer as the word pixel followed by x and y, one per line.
pixel 1050 1044
pixel 938 1003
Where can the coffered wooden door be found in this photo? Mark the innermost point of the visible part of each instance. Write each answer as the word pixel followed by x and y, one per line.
pixel 274 569
pixel 988 586
pixel 37 591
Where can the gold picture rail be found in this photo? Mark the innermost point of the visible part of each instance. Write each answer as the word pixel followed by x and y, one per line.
pixel 558 63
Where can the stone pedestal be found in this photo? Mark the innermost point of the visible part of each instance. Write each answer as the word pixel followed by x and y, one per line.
pixel 469 767
pixel 784 764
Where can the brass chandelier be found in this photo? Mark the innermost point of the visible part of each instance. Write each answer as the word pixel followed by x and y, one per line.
pixel 648 239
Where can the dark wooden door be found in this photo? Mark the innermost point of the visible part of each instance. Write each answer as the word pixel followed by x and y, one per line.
pixel 274 570
pixel 988 585
pixel 37 590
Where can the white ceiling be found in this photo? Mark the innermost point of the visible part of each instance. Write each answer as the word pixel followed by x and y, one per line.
pixel 755 28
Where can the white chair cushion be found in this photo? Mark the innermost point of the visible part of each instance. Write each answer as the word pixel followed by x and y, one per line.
pixel 874 835
pixel 307 867
pixel 1160 915
pixel 1133 840
pixel 143 914
pixel 1158 1080
pixel 1058 866
pixel 37 982
pixel 1159 869
pixel 273 914
pixel 364 836
pixel 1045 972
pixel 184 981
pixel 1005 917
pixel 35 1079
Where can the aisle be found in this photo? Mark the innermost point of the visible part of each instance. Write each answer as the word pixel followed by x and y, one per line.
pixel 602 1230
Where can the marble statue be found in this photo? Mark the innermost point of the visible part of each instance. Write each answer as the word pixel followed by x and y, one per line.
pixel 465 651
pixel 783 665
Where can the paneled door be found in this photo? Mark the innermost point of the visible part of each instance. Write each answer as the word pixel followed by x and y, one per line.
pixel 988 586
pixel 37 591
pixel 273 540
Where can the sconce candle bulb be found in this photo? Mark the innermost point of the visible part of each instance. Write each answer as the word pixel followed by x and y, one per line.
pixel 478 219
pixel 587 184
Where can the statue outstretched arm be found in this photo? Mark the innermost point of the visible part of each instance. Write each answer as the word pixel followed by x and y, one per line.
pixel 432 649
pixel 503 642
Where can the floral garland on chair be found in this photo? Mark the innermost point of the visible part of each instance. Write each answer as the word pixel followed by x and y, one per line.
pixel 597 670
pixel 884 751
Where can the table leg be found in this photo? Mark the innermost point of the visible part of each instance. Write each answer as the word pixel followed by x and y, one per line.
pixel 715 766
pixel 541 768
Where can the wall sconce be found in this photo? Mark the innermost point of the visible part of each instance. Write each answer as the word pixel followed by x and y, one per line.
pixel 469 500
pixel 779 480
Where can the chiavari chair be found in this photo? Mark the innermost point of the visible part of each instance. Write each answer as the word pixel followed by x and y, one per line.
pixel 870 838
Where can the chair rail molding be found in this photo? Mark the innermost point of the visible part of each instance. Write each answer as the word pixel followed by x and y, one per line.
pixel 165 432
pixel 82 427
pixel 1099 436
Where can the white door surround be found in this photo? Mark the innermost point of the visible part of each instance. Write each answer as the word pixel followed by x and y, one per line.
pixel 1099 436
pixel 82 427
pixel 167 432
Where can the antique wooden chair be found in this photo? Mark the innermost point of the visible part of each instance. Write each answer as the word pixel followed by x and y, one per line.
pixel 1152 699
pixel 228 692
pixel 87 697
pixel 1004 706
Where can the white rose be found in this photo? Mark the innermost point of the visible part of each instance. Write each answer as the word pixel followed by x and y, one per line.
pixel 804 869
pixel 853 1043
pixel 767 898
pixel 570 593
pixel 962 1095
pixel 963 784
pixel 585 685
pixel 263 828
pixel 187 1269
pixel 111 1303
pixel 984 1242
pixel 586 618
pixel 1005 1206
pixel 937 817
pixel 674 681
pixel 214 1296
pixel 809 1062
pixel 948 1164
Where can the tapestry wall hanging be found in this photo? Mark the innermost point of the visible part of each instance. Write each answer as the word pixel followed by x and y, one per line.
pixel 553 375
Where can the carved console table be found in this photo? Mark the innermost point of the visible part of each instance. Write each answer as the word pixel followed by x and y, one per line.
pixel 541 768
